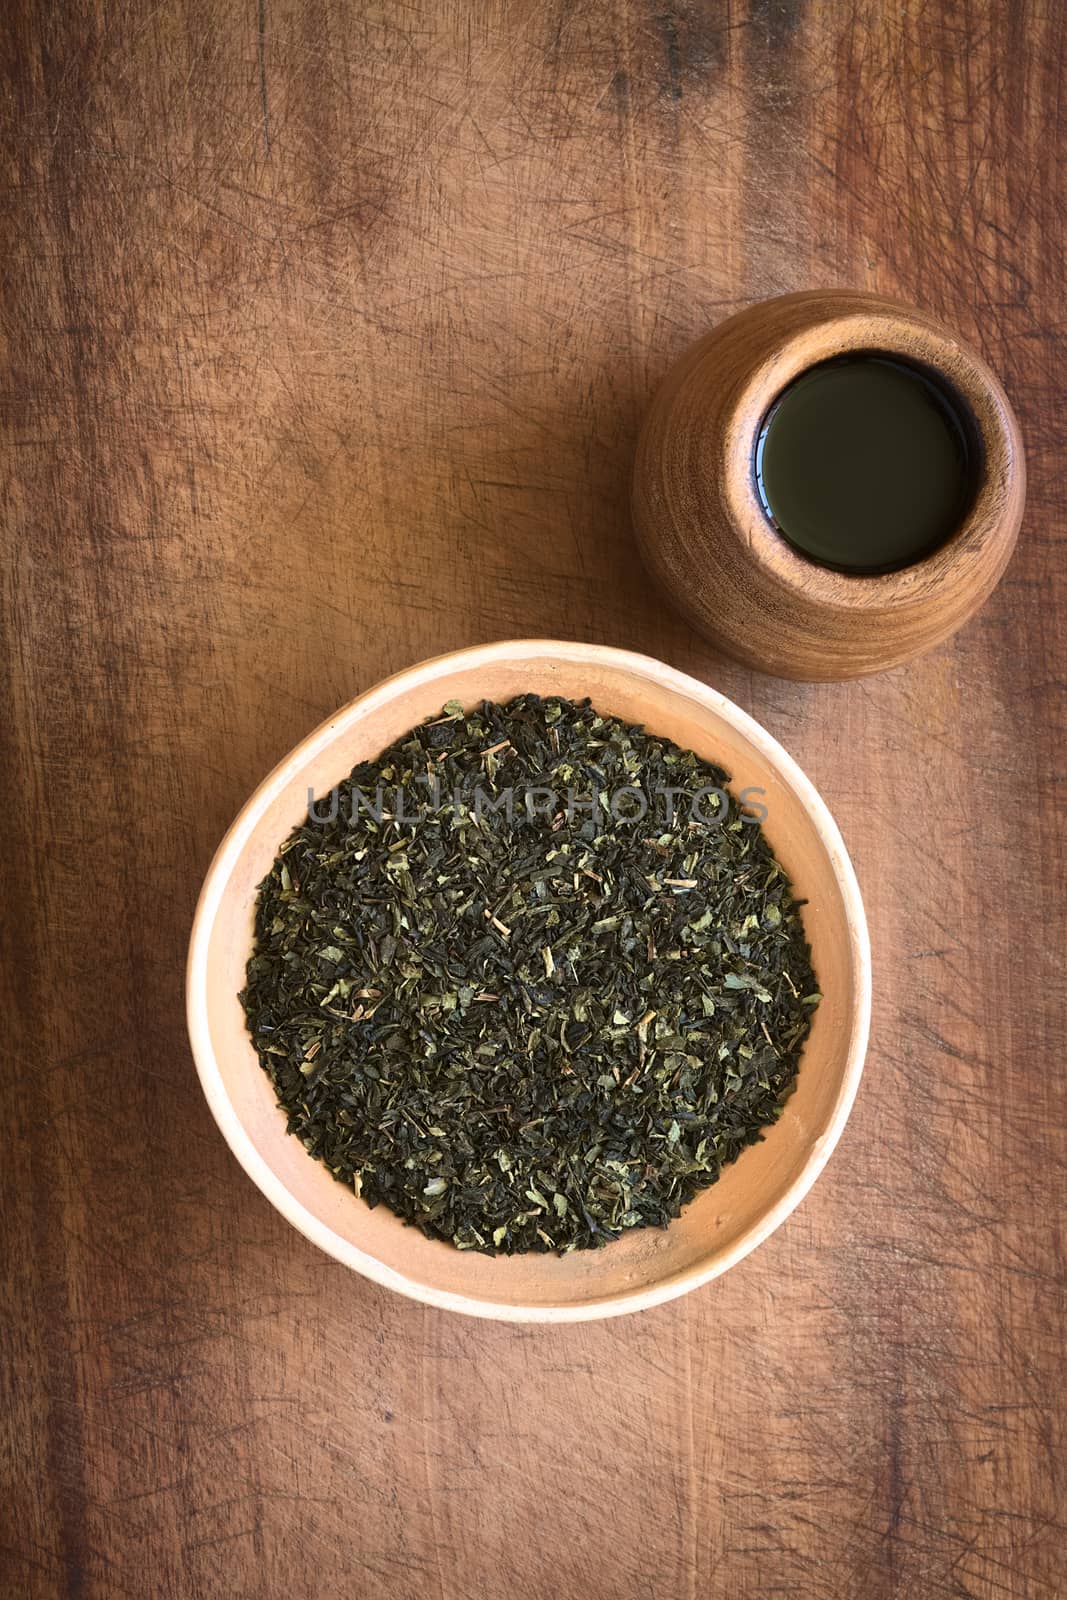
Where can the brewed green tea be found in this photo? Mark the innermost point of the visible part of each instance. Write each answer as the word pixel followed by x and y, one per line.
pixel 531 978
pixel 866 463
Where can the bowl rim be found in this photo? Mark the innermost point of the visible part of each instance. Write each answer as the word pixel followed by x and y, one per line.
pixel 241 829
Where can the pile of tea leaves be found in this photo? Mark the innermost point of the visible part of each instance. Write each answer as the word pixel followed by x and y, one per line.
pixel 529 1031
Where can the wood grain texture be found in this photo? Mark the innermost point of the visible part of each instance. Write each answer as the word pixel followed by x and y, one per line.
pixel 326 335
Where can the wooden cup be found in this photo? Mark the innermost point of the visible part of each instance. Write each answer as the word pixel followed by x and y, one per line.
pixel 707 539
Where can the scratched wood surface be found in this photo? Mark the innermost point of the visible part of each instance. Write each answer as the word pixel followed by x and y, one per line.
pixel 326 334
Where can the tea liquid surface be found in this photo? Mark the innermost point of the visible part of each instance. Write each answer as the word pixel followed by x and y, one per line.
pixel 864 463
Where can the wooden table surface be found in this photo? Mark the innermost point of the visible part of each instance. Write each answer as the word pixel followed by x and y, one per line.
pixel 327 331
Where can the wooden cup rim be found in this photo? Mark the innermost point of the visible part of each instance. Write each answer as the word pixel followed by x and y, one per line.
pixel 909 338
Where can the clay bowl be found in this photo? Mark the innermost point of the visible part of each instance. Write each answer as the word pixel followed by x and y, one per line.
pixel 752 1197
pixel 705 535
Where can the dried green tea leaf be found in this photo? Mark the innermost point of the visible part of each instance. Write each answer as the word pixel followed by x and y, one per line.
pixel 536 1025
